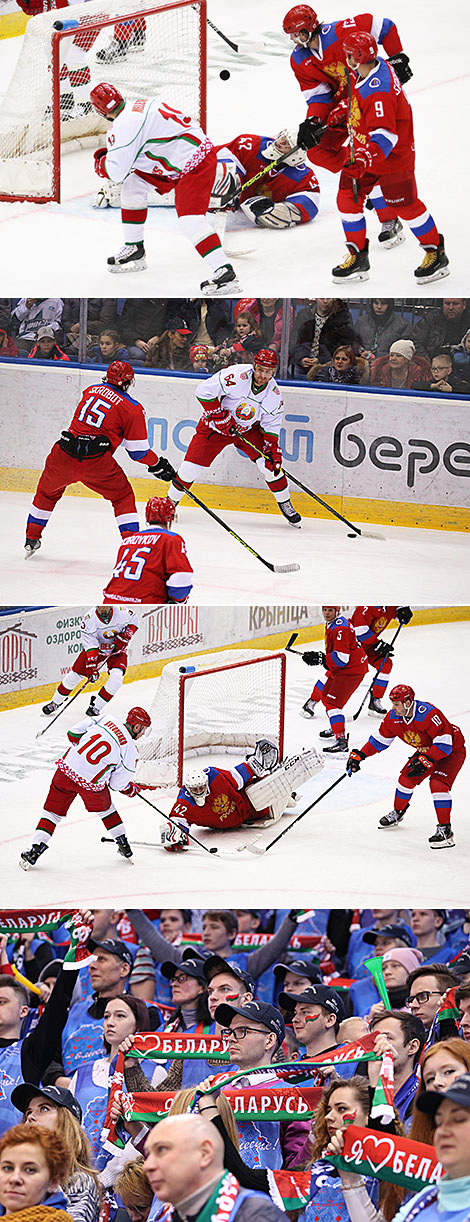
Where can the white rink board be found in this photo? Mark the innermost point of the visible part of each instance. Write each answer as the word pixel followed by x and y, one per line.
pixel 262 96
pixel 336 851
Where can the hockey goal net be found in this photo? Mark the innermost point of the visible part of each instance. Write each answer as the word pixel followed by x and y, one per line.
pixel 145 50
pixel 222 702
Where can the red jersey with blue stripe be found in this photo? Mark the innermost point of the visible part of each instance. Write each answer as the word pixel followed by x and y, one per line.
pixel 151 567
pixel 386 121
pixel 107 411
pixel 322 73
pixel 296 182
pixel 343 648
pixel 427 728
pixel 226 804
pixel 370 622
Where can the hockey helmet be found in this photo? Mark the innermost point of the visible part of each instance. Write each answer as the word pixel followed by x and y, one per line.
pixel 107 100
pixel 266 357
pixel 104 613
pixel 197 785
pixel 300 18
pixel 120 373
pixel 159 509
pixel 402 692
pixel 138 719
pixel 226 181
pixel 281 144
pixel 363 46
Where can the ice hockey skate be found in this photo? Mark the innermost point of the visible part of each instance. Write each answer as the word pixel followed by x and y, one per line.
pixel 326 733
pixel 392 819
pixel 308 709
pixel 124 847
pixel 31 546
pixel 376 708
pixel 391 234
pixel 443 837
pixel 355 266
pixel 130 258
pixel 91 710
pixel 222 283
pixel 288 512
pixel 435 264
pixel 340 747
pixel 50 708
pixel 30 856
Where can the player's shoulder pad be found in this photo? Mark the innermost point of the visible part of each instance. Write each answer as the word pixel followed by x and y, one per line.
pixel 300 54
pixel 423 707
pixel 378 81
pixel 125 395
pixel 160 530
pixel 341 620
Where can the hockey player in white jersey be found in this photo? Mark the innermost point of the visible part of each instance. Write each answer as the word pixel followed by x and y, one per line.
pixel 151 144
pixel 240 405
pixel 104 759
pixel 106 633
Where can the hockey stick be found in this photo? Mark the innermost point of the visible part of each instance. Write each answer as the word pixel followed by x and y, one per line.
pixel 255 847
pixel 271 165
pixel 367 534
pixel 288 647
pixel 275 568
pixel 173 824
pixel 351 135
pixel 369 689
pixel 215 28
pixel 66 705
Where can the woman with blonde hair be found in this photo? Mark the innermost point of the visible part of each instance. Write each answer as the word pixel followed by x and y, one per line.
pixel 58 1111
pixel 33 1161
pixel 440 1065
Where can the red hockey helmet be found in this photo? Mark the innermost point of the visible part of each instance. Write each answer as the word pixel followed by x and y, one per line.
pixel 106 99
pixel 138 718
pixel 363 46
pixel 301 17
pixel 266 357
pixel 120 373
pixel 159 509
pixel 402 692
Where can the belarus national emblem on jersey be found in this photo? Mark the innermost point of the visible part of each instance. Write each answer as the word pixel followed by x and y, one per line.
pixel 223 807
pixel 245 411
pixel 411 737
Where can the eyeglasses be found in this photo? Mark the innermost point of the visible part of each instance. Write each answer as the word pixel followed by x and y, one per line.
pixel 423 997
pixel 238 1033
pixel 181 978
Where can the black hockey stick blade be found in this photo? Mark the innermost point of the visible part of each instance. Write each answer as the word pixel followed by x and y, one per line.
pixel 256 847
pixel 275 568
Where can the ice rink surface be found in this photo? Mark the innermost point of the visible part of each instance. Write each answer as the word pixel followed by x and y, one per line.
pixel 70 242
pixel 80 546
pixel 335 852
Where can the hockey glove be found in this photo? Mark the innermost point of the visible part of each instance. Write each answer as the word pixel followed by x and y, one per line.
pixel 338 117
pixel 361 165
pixel 223 423
pixel 131 790
pixel 162 469
pixel 401 64
pixel 310 133
pixel 122 638
pixel 382 650
pixel 174 837
pixel 264 758
pixel 314 657
pixel 100 158
pixel 91 665
pixel 404 614
pixel 354 761
pixel 419 764
pixel 272 454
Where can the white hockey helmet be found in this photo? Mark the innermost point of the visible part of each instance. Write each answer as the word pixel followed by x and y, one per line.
pixel 227 180
pixel 197 785
pixel 281 144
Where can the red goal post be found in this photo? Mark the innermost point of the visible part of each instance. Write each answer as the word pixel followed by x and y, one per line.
pixel 36 126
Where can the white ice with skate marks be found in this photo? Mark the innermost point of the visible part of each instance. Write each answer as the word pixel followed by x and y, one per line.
pixel 73 240
pixel 80 546
pixel 336 850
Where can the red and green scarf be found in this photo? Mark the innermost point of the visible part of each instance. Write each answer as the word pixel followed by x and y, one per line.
pixel 13 921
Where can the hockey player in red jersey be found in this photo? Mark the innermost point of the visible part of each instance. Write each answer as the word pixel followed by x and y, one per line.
pixel 240 402
pixel 319 65
pixel 368 624
pixel 439 755
pixel 105 759
pixel 384 155
pixel 346 664
pixel 106 633
pixel 105 417
pixel 152 565
pixel 283 198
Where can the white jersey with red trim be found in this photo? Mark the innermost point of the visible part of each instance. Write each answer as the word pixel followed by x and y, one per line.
pixel 98 635
pixel 105 754
pixel 150 136
pixel 233 389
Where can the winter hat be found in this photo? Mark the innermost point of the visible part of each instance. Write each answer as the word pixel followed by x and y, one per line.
pixel 409 958
pixel 403 347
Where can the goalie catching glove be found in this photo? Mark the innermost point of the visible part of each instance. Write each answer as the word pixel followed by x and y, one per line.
pixel 264 758
pixel 267 215
pixel 174 838
pixel 419 764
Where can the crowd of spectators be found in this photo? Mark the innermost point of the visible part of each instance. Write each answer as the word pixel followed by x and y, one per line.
pixel 378 342
pixel 300 993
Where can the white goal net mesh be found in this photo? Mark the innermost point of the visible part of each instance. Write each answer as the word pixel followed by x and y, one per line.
pixel 226 709
pixel 157 51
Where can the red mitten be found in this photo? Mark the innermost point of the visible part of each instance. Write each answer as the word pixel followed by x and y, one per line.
pixel 360 166
pixel 338 116
pixel 272 454
pixel 99 158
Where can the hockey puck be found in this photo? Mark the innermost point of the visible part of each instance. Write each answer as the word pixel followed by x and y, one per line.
pixel 214 850
pixel 352 535
pixel 225 74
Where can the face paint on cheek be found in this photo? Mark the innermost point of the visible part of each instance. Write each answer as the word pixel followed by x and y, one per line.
pixel 231 996
pixel 311 1018
pixel 349 1118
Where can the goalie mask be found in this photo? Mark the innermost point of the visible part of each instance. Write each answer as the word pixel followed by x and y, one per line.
pixel 226 181
pixel 280 145
pixel 197 785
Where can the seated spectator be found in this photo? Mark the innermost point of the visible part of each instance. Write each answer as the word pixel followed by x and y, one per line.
pixel 426 924
pixel 46 348
pixel 404 1036
pixel 462 357
pixel 31 313
pixel 5 313
pixel 401 369
pixel 133 1189
pixel 443 380
pixel 344 367
pixel 442 326
pixel 109 349
pixel 462 999
pixel 319 336
pixel 172 350
pixel 379 326
pixel 440 1065
pixel 268 312
pixel 7 345
pixel 58 1111
pixel 200 359
pixel 450 1112
pixel 426 987
pixel 242 344
pixel 33 1162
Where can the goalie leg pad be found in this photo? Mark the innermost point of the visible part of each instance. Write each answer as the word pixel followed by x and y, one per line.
pixel 264 759
pixel 108 196
pixel 278 786
pixel 263 212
